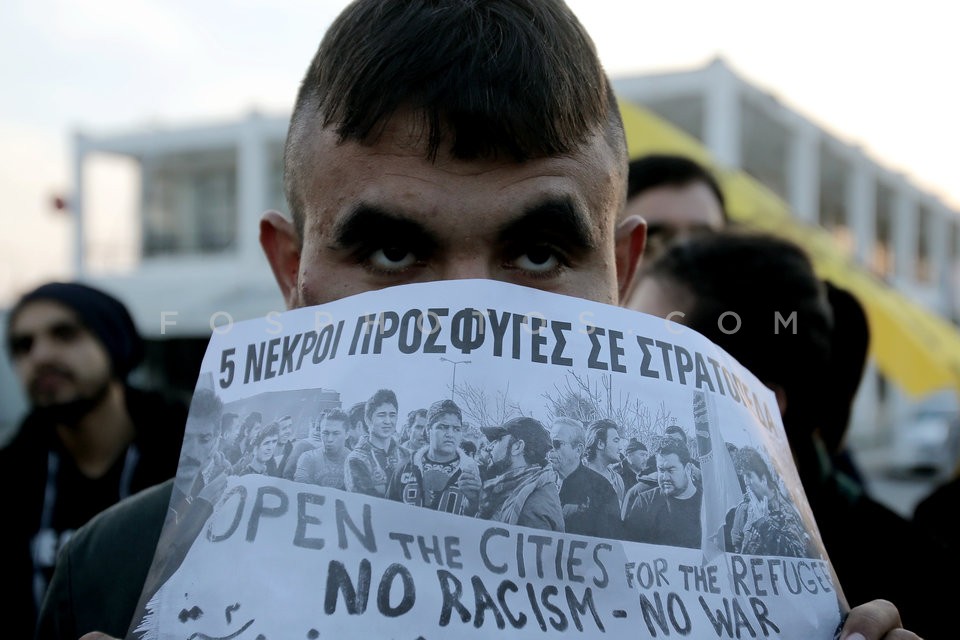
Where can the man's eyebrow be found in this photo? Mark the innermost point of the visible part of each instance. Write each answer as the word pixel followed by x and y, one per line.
pixel 555 218
pixel 368 223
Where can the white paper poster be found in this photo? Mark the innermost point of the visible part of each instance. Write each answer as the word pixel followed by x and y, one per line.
pixel 409 542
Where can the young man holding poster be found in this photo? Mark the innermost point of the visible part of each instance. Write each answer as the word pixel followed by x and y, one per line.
pixel 495 152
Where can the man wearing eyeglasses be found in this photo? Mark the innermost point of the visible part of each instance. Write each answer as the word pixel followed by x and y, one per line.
pixel 440 476
pixel 590 505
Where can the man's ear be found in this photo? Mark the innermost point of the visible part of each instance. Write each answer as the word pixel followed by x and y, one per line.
pixel 630 239
pixel 281 245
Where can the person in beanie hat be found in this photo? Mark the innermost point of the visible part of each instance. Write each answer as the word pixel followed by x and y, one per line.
pixel 635 464
pixel 89 439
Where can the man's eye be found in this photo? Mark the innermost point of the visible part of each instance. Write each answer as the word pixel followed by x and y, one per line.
pixel 65 332
pixel 539 260
pixel 20 345
pixel 392 259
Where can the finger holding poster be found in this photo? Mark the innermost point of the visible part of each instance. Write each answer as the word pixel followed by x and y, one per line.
pixel 434 542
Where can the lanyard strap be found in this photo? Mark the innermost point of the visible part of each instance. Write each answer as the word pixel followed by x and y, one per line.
pixel 130 461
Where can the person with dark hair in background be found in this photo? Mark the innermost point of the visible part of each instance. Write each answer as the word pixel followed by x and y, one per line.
pixel 252 422
pixel 670 512
pixel 849 350
pixel 439 476
pixel 521 487
pixel 281 455
pixel 201 459
pixel 677 196
pixel 357 425
pixel 372 463
pixel 602 451
pixel 262 448
pixel 496 152
pixel 302 446
pixel 757 276
pixel 414 434
pixel 229 430
pixel 326 465
pixel 766 523
pixel 89 440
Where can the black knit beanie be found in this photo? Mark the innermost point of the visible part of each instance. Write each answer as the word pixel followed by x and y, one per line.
pixel 103 315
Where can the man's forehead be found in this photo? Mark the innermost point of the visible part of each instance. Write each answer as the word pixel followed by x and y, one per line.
pixel 684 205
pixel 561 430
pixel 201 425
pixel 40 315
pixel 396 171
pixel 447 417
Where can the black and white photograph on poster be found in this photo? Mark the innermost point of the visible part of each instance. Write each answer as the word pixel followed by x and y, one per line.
pixel 402 463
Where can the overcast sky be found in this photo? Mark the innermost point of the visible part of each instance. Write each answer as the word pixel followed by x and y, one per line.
pixel 868 72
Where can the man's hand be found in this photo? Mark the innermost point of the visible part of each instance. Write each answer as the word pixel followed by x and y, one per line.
pixel 212 490
pixel 469 485
pixel 875 620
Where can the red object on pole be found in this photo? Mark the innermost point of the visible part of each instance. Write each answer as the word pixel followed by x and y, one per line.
pixel 60 203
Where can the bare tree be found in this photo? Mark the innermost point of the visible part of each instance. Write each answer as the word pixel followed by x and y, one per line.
pixel 579 397
pixel 483 409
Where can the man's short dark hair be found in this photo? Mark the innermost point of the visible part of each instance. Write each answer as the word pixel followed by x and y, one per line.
pixel 272 429
pixel 665 170
pixel 669 444
pixel 535 437
pixel 500 78
pixel 206 404
pixel 413 415
pixel 749 459
pixel 336 415
pixel 357 416
pixel 381 396
pixel 676 431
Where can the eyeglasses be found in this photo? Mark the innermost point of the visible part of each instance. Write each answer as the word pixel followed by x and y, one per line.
pixel 557 444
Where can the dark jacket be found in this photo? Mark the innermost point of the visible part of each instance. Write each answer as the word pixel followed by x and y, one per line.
pixel 877 553
pixel 159 422
pixel 102 569
pixel 598 510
